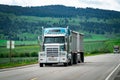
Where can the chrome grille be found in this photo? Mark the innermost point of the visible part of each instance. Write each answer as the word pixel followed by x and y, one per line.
pixel 52 52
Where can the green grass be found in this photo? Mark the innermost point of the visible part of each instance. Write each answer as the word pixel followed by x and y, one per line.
pixel 16 64
pixel 20 49
pixel 26 42
pixel 89 54
pixel 95 37
pixel 5 62
pixel 91 48
pixel 4 42
pixel 100 46
pixel 17 59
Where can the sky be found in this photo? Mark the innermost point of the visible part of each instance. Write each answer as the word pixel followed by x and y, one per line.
pixel 101 4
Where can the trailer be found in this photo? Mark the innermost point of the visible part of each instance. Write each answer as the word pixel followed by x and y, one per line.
pixel 61 45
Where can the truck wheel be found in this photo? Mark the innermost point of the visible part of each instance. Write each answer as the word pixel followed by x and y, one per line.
pixel 70 63
pixel 82 57
pixel 78 61
pixel 79 58
pixel 41 64
pixel 75 58
pixel 65 64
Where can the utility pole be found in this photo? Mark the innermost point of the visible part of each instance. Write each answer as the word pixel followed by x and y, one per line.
pixel 10 50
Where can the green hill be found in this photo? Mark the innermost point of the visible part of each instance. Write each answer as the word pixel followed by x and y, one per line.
pixel 24 23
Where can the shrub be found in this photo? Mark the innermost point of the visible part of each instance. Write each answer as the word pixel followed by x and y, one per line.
pixel 22 55
pixel 34 54
pixel 1 56
pixel 27 55
pixel 4 55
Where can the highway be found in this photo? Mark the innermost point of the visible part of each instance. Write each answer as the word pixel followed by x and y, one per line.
pixel 95 68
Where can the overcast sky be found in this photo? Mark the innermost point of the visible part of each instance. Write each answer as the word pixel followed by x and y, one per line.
pixel 101 4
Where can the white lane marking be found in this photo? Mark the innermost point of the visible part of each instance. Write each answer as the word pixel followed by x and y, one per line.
pixel 112 72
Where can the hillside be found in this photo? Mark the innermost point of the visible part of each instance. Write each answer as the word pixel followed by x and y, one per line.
pixel 59 11
pixel 24 23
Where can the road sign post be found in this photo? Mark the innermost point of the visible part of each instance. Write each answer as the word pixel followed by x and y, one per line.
pixel 10 45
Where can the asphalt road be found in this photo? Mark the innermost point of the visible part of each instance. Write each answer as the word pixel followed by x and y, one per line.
pixel 94 68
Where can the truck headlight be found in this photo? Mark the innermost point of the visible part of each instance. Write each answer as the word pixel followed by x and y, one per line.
pixel 42 54
pixel 63 53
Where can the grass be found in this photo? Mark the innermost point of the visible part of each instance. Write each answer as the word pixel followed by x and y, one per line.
pixel 18 50
pixel 93 45
pixel 95 37
pixel 91 48
pixel 5 62
pixel 4 42
pixel 89 54
pixel 28 49
pixel 15 64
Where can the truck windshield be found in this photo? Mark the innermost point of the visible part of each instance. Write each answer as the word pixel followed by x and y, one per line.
pixel 54 40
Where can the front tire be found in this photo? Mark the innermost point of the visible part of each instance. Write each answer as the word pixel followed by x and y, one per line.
pixel 41 64
pixel 65 64
pixel 71 62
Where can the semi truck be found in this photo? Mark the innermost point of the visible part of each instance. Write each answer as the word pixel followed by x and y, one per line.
pixel 116 49
pixel 60 45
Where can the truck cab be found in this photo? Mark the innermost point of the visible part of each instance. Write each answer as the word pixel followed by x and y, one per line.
pixel 54 46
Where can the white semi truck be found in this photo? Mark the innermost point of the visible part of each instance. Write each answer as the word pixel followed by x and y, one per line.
pixel 60 45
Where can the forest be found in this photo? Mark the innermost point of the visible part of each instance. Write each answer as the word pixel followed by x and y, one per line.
pixel 24 23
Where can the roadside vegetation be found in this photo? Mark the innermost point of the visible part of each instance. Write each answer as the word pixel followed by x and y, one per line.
pixel 17 61
pixel 28 54
pixel 24 53
pixel 100 47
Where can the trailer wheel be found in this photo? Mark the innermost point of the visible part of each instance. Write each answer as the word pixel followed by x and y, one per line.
pixel 82 57
pixel 79 58
pixel 41 64
pixel 75 61
pixel 78 61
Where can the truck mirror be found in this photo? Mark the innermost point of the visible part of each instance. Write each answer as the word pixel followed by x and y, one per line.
pixel 39 40
pixel 38 37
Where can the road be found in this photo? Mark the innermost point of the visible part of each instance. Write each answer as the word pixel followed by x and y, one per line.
pixel 94 68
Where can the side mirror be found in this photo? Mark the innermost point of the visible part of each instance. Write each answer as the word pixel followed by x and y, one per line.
pixel 40 40
pixel 40 43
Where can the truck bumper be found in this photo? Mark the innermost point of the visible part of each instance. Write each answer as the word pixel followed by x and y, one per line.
pixel 60 59
pixel 53 60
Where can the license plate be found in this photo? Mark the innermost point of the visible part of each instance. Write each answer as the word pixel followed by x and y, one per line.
pixel 52 59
